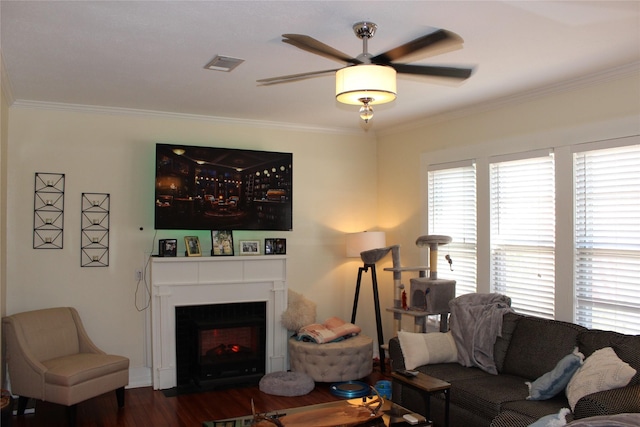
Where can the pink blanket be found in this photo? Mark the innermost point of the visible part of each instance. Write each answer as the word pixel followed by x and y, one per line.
pixel 333 329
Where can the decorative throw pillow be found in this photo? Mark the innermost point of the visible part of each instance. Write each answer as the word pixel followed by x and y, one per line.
pixel 553 420
pixel 300 311
pixel 554 381
pixel 603 370
pixel 422 349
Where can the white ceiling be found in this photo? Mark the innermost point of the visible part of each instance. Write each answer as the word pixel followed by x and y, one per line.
pixel 150 55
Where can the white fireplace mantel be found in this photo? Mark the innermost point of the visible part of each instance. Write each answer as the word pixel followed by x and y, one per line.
pixel 187 281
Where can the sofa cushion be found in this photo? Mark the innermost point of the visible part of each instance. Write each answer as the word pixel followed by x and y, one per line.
pixel 453 372
pixel 618 420
pixel 625 346
pixel 509 418
pixel 509 322
pixel 485 395
pixel 537 345
pixel 536 409
pixel 603 370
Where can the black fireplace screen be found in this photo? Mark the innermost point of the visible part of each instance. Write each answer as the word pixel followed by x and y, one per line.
pixel 220 344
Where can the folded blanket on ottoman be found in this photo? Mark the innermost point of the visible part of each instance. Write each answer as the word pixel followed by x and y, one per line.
pixel 333 329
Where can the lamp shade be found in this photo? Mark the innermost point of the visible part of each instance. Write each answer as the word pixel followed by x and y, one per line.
pixel 374 82
pixel 364 241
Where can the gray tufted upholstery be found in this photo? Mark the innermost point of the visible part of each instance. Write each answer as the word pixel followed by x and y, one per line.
pixel 346 360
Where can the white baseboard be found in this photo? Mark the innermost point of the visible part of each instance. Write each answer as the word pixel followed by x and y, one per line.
pixel 140 377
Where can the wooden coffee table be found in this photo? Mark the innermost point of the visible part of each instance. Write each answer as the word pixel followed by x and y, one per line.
pixel 391 416
pixel 427 385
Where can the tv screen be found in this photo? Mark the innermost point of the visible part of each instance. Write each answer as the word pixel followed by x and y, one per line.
pixel 207 188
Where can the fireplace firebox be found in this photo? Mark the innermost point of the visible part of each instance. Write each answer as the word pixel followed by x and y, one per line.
pixel 220 344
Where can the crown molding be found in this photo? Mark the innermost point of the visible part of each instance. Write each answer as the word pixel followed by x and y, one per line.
pixel 610 74
pixel 262 124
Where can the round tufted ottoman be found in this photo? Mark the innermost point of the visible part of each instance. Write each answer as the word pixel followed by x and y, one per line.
pixel 346 360
pixel 286 383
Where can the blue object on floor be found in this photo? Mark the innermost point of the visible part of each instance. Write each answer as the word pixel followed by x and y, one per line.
pixel 350 389
pixel 383 387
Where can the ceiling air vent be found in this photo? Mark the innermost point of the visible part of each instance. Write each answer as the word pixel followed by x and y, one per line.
pixel 223 63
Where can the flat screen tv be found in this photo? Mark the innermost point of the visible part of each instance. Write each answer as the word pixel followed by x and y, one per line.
pixel 207 188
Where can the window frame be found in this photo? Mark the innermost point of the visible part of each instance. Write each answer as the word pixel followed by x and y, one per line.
pixel 563 146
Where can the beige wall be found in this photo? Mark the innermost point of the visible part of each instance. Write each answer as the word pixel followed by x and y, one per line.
pixel 336 190
pixel 334 193
pixel 600 111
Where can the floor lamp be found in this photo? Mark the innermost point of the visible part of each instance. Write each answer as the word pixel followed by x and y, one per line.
pixel 369 246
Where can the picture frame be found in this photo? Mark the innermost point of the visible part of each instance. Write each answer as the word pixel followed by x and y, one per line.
pixel 168 247
pixel 275 246
pixel 192 244
pixel 268 246
pixel 280 247
pixel 249 247
pixel 221 243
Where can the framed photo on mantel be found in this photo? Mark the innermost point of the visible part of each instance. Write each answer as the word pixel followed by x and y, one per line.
pixel 167 247
pixel 192 243
pixel 249 247
pixel 222 243
pixel 275 246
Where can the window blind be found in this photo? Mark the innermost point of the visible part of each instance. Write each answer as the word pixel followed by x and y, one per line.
pixel 522 200
pixel 452 212
pixel 607 239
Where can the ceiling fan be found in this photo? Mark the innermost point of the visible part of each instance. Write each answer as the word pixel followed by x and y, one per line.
pixel 368 79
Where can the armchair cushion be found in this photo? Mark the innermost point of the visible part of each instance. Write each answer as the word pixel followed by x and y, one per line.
pixel 48 333
pixel 81 367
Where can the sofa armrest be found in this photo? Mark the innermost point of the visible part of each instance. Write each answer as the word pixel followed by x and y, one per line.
pixel 609 402
pixel 395 354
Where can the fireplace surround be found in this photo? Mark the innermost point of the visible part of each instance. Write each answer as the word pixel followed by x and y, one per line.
pixel 194 281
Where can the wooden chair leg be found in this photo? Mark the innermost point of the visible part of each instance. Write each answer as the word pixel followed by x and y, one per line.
pixel 120 397
pixel 22 404
pixel 72 411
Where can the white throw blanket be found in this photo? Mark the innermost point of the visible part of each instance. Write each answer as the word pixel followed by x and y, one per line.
pixel 476 322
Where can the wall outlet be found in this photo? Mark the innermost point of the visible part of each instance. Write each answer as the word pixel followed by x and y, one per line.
pixel 138 275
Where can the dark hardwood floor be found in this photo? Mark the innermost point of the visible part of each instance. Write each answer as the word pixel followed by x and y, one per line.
pixel 147 407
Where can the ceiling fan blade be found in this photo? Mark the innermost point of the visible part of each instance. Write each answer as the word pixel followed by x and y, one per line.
pixel 314 46
pixel 294 77
pixel 437 37
pixel 433 70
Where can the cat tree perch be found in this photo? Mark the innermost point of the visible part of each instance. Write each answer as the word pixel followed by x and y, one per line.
pixel 428 295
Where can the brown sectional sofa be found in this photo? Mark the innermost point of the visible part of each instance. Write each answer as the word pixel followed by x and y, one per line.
pixel 528 348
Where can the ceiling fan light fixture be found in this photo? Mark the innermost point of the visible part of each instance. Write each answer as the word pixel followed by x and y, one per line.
pixel 374 82
pixel 366 112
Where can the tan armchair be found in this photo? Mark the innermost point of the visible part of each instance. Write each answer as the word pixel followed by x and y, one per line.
pixel 51 358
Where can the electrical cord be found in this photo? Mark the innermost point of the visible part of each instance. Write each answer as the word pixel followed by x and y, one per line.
pixel 143 279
